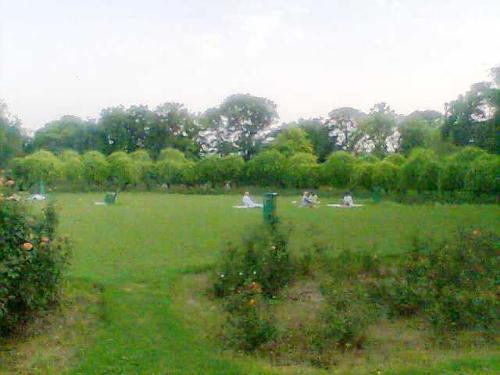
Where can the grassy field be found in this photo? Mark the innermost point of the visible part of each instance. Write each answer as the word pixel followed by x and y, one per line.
pixel 131 308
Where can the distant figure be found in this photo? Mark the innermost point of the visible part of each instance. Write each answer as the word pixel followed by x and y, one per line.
pixel 248 202
pixel 348 201
pixel 315 198
pixel 307 200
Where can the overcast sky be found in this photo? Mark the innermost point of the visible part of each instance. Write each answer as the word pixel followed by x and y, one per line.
pixel 309 56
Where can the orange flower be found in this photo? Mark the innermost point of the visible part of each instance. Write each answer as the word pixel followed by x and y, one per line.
pixel 476 232
pixel 45 239
pixel 252 302
pixel 27 246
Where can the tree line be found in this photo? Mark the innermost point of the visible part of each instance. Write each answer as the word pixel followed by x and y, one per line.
pixel 245 127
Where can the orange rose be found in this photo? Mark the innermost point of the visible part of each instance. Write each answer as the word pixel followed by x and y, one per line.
pixel 27 246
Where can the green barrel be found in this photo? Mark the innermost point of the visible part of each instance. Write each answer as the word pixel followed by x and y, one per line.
pixel 269 206
pixel 110 198
pixel 376 195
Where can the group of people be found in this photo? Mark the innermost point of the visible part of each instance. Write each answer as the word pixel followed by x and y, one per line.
pixel 309 199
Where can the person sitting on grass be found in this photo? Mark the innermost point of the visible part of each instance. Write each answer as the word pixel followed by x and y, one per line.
pixel 248 202
pixel 307 200
pixel 348 201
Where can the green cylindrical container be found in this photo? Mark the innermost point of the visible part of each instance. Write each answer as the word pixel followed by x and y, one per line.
pixel 269 206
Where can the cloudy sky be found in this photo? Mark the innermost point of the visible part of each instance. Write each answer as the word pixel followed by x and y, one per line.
pixel 309 56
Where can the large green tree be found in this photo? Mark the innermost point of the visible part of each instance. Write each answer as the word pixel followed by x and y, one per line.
pixel 69 132
pixel 246 116
pixel 473 119
pixel 11 137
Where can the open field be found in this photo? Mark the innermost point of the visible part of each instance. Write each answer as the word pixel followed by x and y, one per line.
pixel 133 269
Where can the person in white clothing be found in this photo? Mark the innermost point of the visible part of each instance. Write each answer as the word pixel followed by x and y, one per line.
pixel 348 201
pixel 248 202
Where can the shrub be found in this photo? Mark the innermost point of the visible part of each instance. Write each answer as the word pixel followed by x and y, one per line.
pixel 338 169
pixel 363 175
pixel 172 154
pixel 385 176
pixel 453 284
pixel 263 258
pixel 72 168
pixel 123 171
pixel 32 263
pixel 266 169
pixel 302 171
pixel 40 166
pixel 171 172
pixel 249 324
pixel 396 159
pixel 95 169
pixel 420 172
pixel 484 175
pixel 345 317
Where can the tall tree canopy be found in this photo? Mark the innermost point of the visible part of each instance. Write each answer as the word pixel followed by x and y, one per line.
pixel 473 119
pixel 247 116
pixel 11 137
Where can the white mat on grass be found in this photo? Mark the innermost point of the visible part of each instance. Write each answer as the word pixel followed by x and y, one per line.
pixel 342 206
pixel 100 203
pixel 246 207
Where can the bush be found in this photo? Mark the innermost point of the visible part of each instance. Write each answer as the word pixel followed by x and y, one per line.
pixel 40 166
pixel 249 324
pixel 484 175
pixel 453 284
pixel 302 171
pixel 363 175
pixel 32 263
pixel 266 169
pixel 95 169
pixel 396 159
pixel 338 169
pixel 123 171
pixel 420 172
pixel 345 317
pixel 72 168
pixel 172 154
pixel 263 258
pixel 385 176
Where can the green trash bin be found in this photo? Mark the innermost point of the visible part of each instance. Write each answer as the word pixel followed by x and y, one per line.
pixel 376 195
pixel 269 207
pixel 110 198
pixel 41 188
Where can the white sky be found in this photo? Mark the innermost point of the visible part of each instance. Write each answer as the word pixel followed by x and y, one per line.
pixel 309 56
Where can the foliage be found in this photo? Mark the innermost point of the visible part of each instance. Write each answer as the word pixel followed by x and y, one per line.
pixel 377 127
pixel 11 137
pixel 246 116
pixel 32 263
pixel 473 118
pixel 483 175
pixel 123 170
pixel 249 324
pixel 385 176
pixel 451 283
pixel 421 171
pixel 338 169
pixel 291 141
pixel 302 171
pixel 266 169
pixel 396 159
pixel 363 175
pixel 414 133
pixel 345 317
pixel 263 258
pixel 40 166
pixel 95 168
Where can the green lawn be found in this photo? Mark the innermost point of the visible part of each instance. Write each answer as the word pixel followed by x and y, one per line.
pixel 138 251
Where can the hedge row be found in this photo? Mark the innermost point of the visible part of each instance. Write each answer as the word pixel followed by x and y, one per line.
pixel 470 169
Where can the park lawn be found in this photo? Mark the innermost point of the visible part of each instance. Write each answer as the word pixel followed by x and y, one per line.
pixel 141 251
